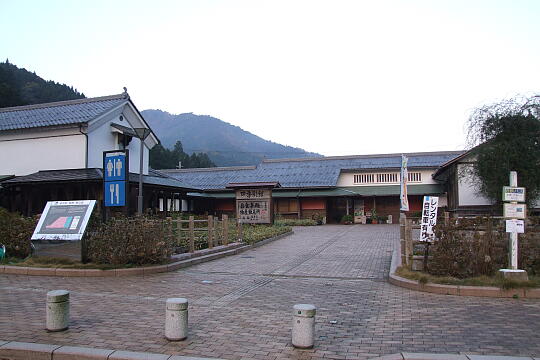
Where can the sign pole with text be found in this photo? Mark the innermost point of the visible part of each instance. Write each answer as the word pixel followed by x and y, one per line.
pixel 515 213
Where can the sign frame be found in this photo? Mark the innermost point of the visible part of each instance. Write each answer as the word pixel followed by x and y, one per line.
pixel 81 221
pixel 514 214
pixel 513 193
pixel 116 184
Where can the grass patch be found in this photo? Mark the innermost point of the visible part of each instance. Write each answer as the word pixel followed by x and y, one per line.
pixel 494 281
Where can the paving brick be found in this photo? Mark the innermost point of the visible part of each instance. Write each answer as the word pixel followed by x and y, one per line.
pixel 240 306
pixel 15 270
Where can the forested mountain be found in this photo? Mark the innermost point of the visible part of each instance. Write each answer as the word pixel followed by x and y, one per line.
pixel 163 158
pixel 22 87
pixel 207 141
pixel 224 143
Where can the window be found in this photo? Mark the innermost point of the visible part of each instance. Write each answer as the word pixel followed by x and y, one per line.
pixel 287 206
pixel 414 177
pixel 385 178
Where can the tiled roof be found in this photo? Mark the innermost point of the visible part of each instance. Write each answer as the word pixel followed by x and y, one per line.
pixel 305 173
pixel 153 178
pixel 58 113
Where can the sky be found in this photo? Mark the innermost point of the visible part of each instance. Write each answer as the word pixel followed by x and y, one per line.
pixel 333 77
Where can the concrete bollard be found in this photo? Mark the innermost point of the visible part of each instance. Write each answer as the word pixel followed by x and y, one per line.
pixel 176 319
pixel 57 310
pixel 303 331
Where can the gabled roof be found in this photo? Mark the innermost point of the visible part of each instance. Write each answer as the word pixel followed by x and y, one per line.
pixel 306 172
pixel 93 174
pixel 59 113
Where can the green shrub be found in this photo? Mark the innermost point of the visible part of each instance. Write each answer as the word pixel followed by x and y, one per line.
pixel 295 222
pixel 15 233
pixel 137 240
pixel 347 219
pixel 255 233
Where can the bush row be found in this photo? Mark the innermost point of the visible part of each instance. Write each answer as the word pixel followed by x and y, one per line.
pixel 479 246
pixel 15 233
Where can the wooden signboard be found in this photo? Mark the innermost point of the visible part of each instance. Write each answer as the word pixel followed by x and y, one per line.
pixel 254 206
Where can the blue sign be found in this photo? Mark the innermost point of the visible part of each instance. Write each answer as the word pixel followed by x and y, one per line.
pixel 114 167
pixel 115 176
pixel 115 193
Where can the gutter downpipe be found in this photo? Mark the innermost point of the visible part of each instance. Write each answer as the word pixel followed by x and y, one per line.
pixel 86 151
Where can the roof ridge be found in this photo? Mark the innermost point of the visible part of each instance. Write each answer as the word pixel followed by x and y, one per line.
pixel 344 157
pixel 220 168
pixel 65 102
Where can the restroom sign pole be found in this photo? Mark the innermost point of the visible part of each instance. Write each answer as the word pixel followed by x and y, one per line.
pixel 115 177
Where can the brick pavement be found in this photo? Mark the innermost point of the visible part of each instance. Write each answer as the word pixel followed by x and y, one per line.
pixel 240 306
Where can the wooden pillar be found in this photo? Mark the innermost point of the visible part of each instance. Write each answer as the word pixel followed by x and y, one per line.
pixel 225 222
pixel 191 234
pixel 210 231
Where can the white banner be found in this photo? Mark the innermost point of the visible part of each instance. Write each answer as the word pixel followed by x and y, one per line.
pixel 429 218
pixel 404 206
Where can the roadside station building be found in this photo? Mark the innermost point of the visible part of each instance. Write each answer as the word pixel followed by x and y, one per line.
pixel 54 151
pixel 324 187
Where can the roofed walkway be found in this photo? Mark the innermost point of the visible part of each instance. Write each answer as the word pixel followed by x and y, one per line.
pixel 240 306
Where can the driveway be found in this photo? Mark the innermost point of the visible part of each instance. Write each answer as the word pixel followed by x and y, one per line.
pixel 241 306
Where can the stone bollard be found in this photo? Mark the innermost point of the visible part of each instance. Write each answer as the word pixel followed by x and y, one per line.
pixel 303 331
pixel 176 319
pixel 57 310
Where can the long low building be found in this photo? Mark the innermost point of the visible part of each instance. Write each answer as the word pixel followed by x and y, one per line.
pixel 324 187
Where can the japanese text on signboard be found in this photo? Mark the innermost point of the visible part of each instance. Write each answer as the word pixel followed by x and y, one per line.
pixel 429 218
pixel 253 211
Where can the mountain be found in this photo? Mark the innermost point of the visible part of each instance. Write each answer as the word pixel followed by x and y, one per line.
pixel 22 87
pixel 225 144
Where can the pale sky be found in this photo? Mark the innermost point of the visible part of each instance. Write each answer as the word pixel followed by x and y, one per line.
pixel 333 77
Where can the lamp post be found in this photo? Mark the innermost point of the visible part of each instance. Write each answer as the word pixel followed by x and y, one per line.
pixel 142 133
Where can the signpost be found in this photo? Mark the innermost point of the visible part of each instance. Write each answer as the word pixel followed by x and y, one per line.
pixel 64 220
pixel 253 206
pixel 115 177
pixel 512 212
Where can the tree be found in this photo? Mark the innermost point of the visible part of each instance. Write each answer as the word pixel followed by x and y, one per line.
pixel 505 137
pixel 163 158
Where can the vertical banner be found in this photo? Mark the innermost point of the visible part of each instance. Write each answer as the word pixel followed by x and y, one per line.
pixel 404 206
pixel 429 218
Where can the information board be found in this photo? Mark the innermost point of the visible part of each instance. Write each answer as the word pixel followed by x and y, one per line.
pixel 513 193
pixel 515 226
pixel 516 211
pixel 253 206
pixel 429 218
pixel 64 220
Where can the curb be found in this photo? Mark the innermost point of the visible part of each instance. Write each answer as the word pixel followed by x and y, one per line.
pixel 14 350
pixel 184 260
pixel 426 356
pixel 458 290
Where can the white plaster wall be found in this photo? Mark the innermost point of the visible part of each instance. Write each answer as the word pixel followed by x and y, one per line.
pixel 134 160
pixel 347 178
pixel 468 193
pixel 29 152
pixel 101 138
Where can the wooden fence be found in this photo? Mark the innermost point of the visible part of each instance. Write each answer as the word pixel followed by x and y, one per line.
pixel 195 234
pixel 406 227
